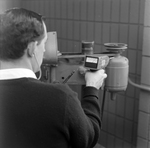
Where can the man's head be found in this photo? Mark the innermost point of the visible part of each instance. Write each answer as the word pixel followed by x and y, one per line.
pixel 22 34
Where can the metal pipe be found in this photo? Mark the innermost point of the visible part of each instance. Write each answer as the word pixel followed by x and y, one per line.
pixel 138 85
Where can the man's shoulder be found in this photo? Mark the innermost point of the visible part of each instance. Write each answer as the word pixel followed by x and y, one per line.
pixel 57 88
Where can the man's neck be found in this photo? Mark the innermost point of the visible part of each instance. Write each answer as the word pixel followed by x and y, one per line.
pixel 15 64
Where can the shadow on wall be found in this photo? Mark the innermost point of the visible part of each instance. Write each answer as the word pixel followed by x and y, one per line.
pixel 7 4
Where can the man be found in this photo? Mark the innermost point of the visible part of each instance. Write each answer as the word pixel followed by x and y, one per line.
pixel 34 114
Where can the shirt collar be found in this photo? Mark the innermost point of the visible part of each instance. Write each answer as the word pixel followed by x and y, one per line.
pixel 16 73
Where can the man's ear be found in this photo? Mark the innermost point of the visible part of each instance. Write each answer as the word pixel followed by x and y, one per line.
pixel 31 48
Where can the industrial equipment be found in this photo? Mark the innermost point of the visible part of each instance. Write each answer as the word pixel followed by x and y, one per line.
pixel 67 67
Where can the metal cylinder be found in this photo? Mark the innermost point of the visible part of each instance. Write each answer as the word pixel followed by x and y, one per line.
pixel 117 74
pixel 87 47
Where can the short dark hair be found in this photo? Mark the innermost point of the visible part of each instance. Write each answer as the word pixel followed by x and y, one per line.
pixel 19 27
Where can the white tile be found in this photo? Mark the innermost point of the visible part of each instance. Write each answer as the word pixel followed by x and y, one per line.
pixel 106 10
pixel 143 125
pixel 115 11
pixel 124 14
pixel 147 13
pixel 134 11
pixel 145 71
pixel 146 41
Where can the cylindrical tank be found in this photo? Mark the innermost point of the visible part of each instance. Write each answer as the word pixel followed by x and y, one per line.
pixel 117 74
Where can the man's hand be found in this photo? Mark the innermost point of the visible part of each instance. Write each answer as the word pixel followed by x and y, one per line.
pixel 95 79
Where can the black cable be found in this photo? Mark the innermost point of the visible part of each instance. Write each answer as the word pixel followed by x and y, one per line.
pixel 103 103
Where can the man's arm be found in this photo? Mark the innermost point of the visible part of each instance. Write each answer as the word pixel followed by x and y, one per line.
pixel 83 118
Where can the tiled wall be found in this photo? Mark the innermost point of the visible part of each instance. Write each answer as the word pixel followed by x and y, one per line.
pixel 143 140
pixel 109 21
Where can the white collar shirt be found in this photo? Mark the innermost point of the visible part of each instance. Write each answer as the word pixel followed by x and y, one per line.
pixel 15 73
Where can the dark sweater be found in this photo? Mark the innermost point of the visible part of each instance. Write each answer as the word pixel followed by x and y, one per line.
pixel 34 114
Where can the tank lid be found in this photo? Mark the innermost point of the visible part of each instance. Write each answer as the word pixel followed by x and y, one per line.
pixel 118 62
